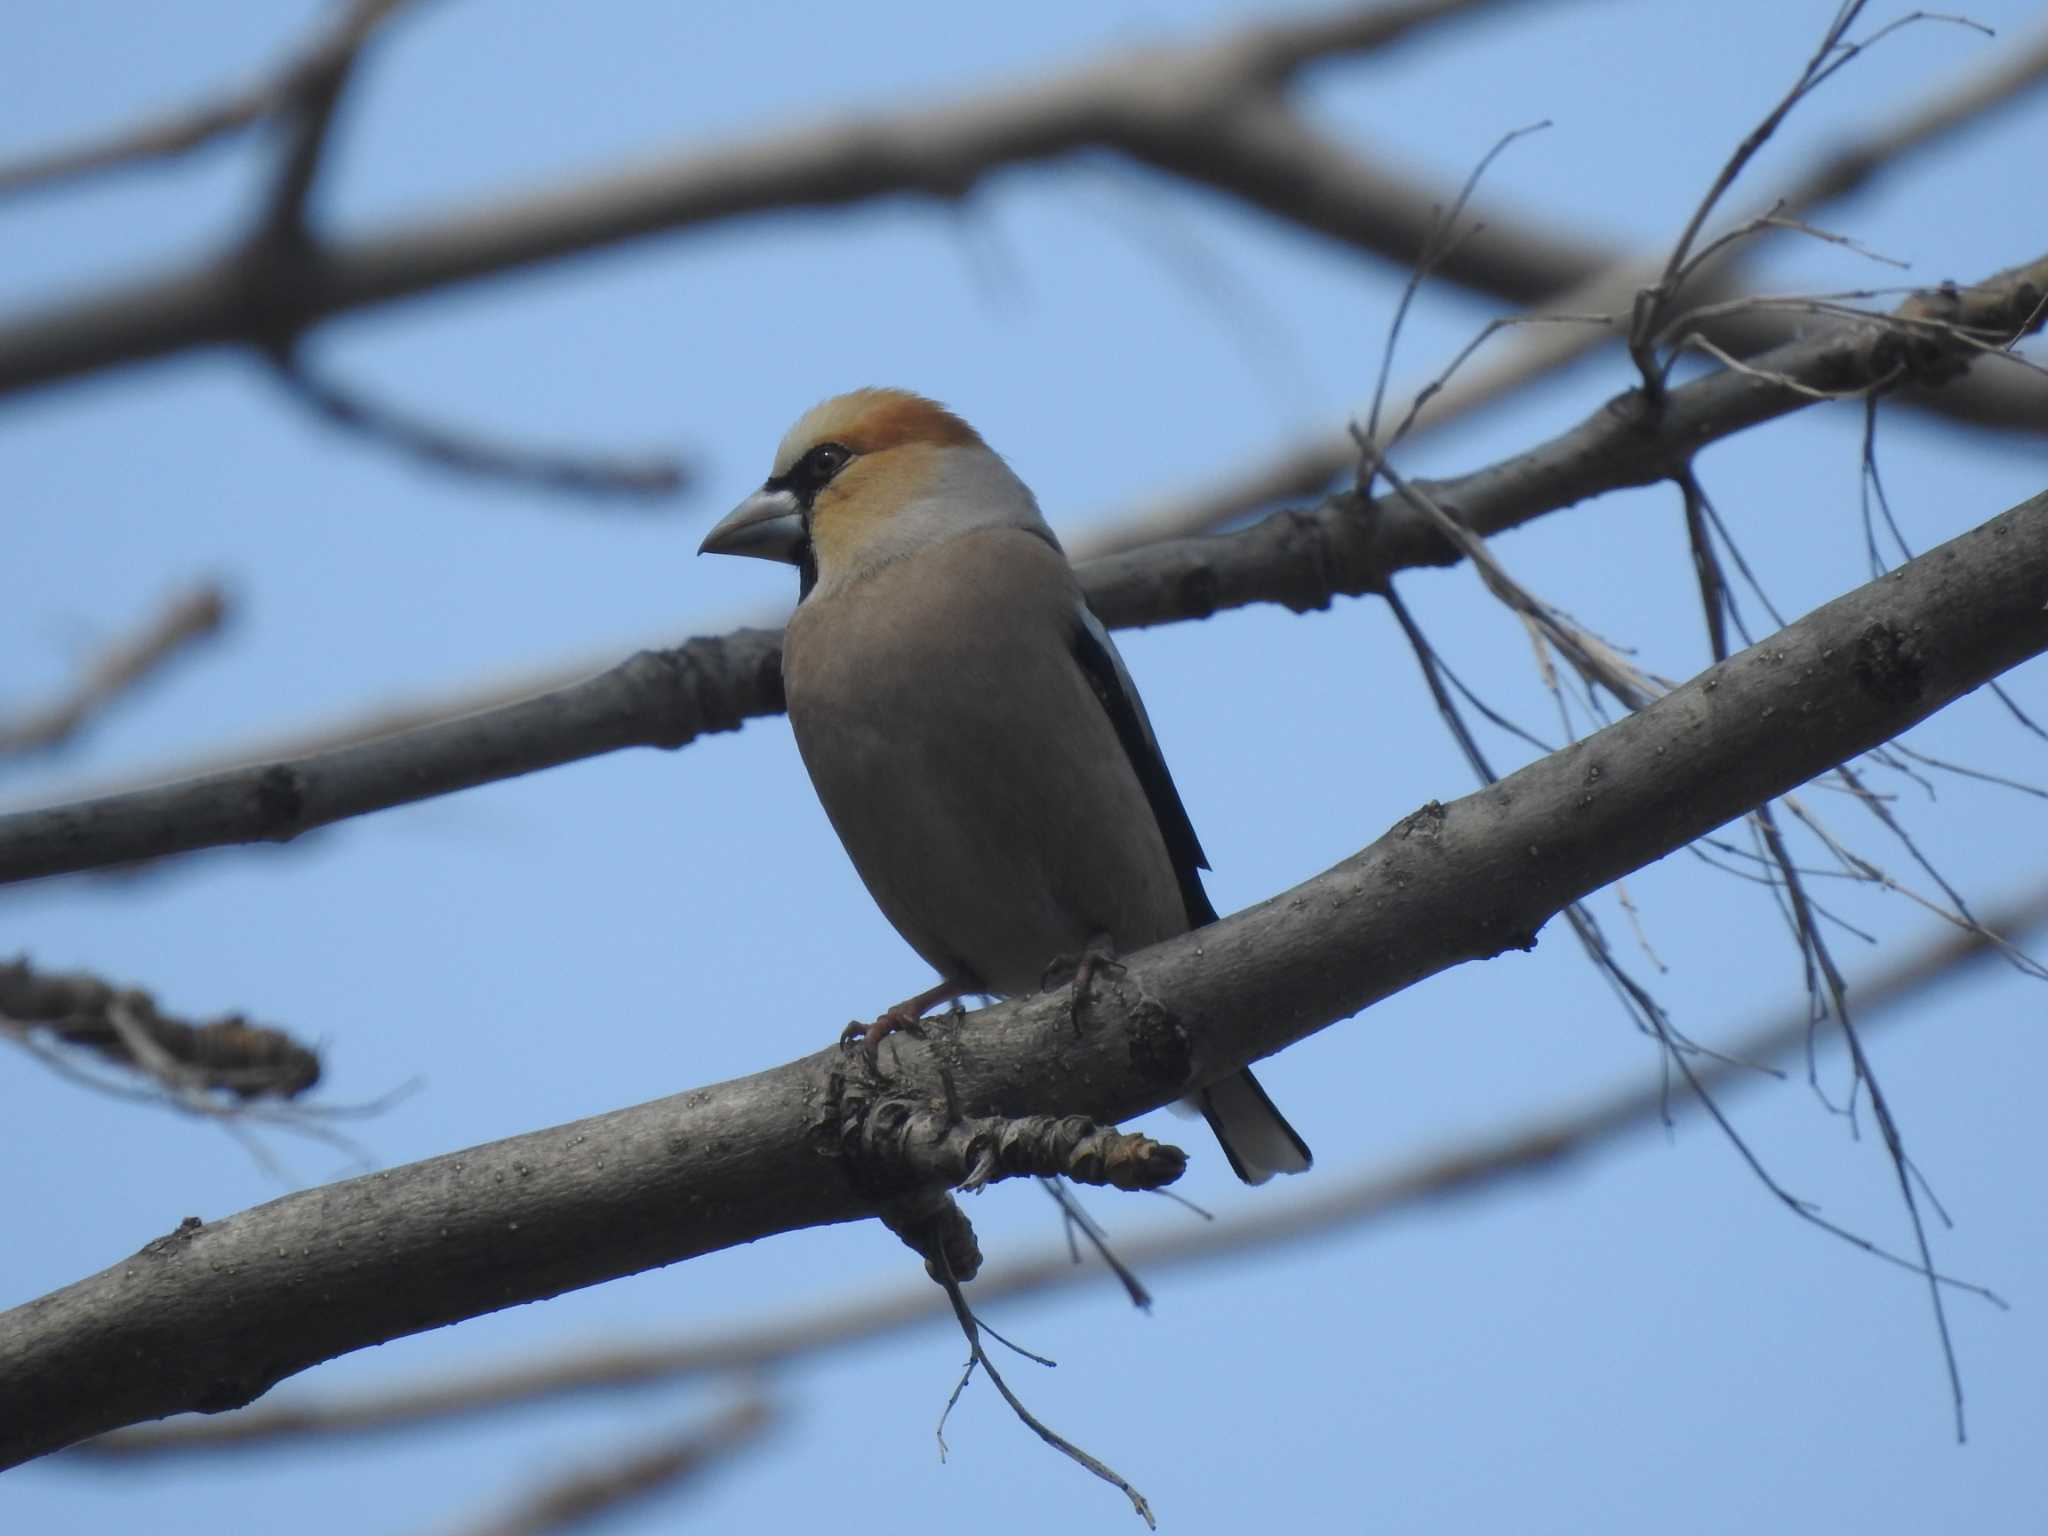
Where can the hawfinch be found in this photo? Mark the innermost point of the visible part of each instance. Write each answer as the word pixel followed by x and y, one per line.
pixel 968 725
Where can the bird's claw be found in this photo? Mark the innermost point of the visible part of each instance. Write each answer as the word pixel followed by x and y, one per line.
pixel 1098 955
pixel 870 1035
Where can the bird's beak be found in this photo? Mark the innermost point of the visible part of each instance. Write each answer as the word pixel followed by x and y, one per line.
pixel 768 525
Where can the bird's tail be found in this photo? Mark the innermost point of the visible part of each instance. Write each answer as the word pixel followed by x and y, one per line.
pixel 1255 1136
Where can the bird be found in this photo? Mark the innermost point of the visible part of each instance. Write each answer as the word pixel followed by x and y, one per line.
pixel 975 739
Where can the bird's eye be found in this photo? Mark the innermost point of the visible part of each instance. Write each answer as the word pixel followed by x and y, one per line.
pixel 825 461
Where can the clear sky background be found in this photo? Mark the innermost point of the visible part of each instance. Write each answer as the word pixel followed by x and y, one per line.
pixel 1643 1340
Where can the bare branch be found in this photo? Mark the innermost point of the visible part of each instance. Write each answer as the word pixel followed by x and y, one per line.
pixel 668 698
pixel 652 699
pixel 218 1309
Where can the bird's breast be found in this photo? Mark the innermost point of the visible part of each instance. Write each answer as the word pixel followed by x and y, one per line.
pixel 976 782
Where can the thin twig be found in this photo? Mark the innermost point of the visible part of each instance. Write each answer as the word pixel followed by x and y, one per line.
pixel 977 1355
pixel 1443 239
pixel 1076 1219
pixel 650 477
pixel 191 127
pixel 119 671
pixel 1833 52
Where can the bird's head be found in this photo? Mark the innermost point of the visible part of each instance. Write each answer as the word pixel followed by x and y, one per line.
pixel 871 477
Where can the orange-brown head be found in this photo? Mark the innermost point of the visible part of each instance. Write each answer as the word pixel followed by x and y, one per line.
pixel 869 477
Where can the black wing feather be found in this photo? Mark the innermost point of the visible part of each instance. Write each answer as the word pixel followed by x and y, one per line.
pixel 1112 686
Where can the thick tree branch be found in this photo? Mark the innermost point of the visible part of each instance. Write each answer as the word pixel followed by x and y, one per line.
pixel 222 1311
pixel 1299 559
pixel 1537 1145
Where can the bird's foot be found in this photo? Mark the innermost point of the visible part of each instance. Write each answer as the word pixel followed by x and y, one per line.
pixel 1098 955
pixel 904 1016
pixel 870 1034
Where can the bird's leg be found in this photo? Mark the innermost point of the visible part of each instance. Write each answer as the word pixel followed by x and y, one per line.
pixel 903 1016
pixel 1099 953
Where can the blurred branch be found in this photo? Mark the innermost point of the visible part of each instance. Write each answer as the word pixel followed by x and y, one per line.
pixel 281 258
pixel 125 1026
pixel 219 1310
pixel 310 112
pixel 646 475
pixel 1212 112
pixel 1302 559
pixel 1155 103
pixel 1539 1146
pixel 180 132
pixel 118 670
pixel 624 1482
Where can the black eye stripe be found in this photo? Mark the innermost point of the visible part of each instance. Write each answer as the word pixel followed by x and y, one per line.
pixel 809 475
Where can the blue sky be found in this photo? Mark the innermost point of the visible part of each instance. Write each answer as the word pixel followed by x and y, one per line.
pixel 1644 1336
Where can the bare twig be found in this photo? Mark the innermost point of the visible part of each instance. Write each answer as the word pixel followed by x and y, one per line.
pixel 1600 664
pixel 1076 1219
pixel 1443 240
pixel 1833 52
pixel 119 670
pixel 979 1356
pixel 1607 289
pixel 645 476
pixel 281 258
pixel 194 126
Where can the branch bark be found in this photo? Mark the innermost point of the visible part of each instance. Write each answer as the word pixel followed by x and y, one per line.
pixel 1541 1144
pixel 222 1311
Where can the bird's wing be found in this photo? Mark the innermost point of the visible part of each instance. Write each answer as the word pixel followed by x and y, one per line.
pixel 1112 685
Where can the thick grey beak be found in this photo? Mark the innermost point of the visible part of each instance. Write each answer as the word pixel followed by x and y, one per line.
pixel 768 525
